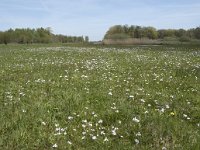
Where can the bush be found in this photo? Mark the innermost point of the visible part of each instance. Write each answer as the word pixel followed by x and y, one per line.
pixel 184 39
pixel 118 36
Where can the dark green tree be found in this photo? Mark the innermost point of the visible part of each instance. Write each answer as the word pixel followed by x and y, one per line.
pixel 86 39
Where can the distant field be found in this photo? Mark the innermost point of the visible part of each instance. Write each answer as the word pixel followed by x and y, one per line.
pixel 66 97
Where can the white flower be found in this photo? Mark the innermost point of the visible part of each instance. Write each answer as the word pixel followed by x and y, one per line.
pixel 84 121
pixel 100 121
pixel 164 148
pixel 69 142
pixel 114 132
pixel 94 137
pixel 162 110
pixel 137 141
pixel 90 124
pixel 113 107
pixel 102 133
pixel 70 118
pixel 43 123
pixel 55 145
pixel 167 106
pixel 136 120
pixel 92 130
pixel 110 93
pixel 184 115
pixel 106 139
pixel 58 129
pixel 138 134
pixel 83 125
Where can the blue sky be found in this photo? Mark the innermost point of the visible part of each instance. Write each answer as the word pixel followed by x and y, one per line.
pixel 94 17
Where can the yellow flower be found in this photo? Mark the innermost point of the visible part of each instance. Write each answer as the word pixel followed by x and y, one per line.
pixel 172 114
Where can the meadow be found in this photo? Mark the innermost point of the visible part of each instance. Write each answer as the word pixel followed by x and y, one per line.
pixel 90 97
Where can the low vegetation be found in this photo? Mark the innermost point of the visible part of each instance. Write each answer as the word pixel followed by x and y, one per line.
pixel 61 97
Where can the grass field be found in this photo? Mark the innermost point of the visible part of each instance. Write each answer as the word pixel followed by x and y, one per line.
pixel 65 97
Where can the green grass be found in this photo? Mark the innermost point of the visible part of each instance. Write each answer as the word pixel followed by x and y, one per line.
pixel 66 97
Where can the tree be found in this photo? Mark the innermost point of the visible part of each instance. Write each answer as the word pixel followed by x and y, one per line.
pixel 131 31
pixel 126 29
pixel 39 35
pixel 166 33
pixel 6 37
pixel 1 37
pixel 190 33
pixel 138 32
pixel 115 30
pixel 151 33
pixel 86 39
pixel 180 33
pixel 43 35
pixel 197 33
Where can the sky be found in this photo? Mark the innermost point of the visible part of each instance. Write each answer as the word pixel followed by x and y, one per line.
pixel 95 17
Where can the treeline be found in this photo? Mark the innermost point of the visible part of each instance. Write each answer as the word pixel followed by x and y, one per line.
pixel 125 31
pixel 39 35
